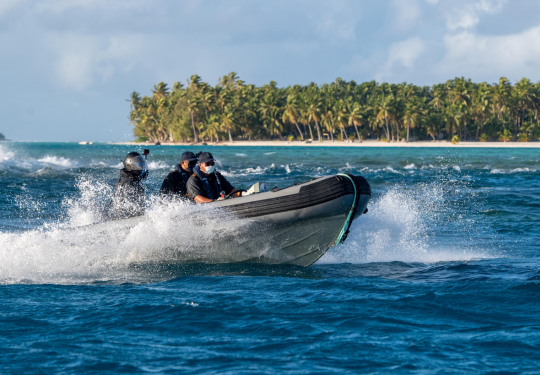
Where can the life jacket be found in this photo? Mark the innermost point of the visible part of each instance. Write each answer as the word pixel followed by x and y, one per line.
pixel 206 184
pixel 183 173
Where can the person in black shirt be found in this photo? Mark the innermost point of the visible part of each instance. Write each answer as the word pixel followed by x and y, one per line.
pixel 206 184
pixel 128 194
pixel 174 186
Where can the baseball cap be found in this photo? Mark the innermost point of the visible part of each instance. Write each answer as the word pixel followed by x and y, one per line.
pixel 205 157
pixel 188 155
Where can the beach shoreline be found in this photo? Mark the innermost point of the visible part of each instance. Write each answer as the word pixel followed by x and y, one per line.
pixel 365 143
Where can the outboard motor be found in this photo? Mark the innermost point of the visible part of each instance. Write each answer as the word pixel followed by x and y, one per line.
pixel 136 165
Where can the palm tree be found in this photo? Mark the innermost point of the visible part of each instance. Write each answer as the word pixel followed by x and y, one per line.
pixel 291 113
pixel 250 111
pixel 160 90
pixel 228 122
pixel 270 111
pixel 480 107
pixel 356 118
pixel 313 111
pixel 384 112
pixel 523 98
pixel 454 115
pixel 212 128
pixel 411 117
pixel 193 107
pixel 500 94
pixel 341 117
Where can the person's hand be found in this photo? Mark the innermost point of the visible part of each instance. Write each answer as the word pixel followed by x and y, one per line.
pixel 220 199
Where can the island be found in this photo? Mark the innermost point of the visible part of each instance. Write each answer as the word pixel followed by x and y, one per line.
pixel 458 110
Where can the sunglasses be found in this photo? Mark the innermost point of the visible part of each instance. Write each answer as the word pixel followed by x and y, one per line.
pixel 192 163
pixel 210 163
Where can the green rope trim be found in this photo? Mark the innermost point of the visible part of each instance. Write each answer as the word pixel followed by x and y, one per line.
pixel 338 240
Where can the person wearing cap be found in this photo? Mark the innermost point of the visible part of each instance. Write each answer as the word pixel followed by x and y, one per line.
pixel 128 195
pixel 174 186
pixel 206 184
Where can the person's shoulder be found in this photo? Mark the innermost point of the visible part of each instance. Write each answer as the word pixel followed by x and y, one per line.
pixel 193 179
pixel 173 174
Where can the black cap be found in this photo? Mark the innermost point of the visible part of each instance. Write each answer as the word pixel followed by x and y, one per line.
pixel 188 155
pixel 205 157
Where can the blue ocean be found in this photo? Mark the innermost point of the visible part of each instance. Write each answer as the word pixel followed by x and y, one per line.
pixel 442 275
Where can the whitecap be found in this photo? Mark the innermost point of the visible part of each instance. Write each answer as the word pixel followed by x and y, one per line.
pixel 157 165
pixel 410 166
pixel 515 170
pixel 390 169
pixel 59 161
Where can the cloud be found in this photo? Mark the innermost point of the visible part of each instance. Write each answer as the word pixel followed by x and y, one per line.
pixel 406 12
pixel 516 55
pixel 7 5
pixel 84 59
pixel 405 52
pixel 93 53
pixel 468 15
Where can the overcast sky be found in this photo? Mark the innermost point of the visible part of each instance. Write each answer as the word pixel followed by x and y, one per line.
pixel 67 66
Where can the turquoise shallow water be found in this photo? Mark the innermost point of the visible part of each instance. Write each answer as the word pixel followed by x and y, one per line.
pixel 441 276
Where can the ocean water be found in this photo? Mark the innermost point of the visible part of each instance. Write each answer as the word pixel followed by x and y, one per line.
pixel 441 276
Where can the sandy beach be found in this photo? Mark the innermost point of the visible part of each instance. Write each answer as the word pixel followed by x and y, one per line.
pixel 366 143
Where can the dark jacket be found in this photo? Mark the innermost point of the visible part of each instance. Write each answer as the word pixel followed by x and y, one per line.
pixel 207 186
pixel 127 199
pixel 174 186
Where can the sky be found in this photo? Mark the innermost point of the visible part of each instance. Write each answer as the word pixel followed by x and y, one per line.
pixel 68 66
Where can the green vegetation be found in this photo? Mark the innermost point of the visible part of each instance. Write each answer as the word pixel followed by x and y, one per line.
pixel 457 109
pixel 142 139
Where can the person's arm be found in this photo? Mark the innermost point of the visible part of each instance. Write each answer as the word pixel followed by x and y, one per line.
pixel 195 190
pixel 230 190
pixel 235 193
pixel 201 199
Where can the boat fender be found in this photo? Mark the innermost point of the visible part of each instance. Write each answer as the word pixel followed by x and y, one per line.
pixel 366 211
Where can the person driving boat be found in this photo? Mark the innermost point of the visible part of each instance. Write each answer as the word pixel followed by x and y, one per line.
pixel 206 184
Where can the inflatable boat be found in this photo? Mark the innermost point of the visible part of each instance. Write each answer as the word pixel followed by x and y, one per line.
pixel 294 225
pixel 304 220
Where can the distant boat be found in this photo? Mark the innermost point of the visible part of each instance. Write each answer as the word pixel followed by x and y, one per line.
pixel 85 143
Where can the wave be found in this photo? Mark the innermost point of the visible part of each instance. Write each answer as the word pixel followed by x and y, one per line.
pixel 397 228
pixel 158 165
pixel 511 171
pixel 71 251
pixel 57 161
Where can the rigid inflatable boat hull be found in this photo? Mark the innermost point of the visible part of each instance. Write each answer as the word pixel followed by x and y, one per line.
pixel 295 225
pixel 298 236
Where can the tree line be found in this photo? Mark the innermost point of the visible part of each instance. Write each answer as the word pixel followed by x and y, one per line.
pixel 457 109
